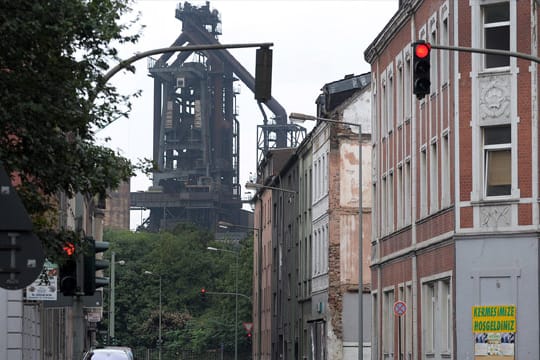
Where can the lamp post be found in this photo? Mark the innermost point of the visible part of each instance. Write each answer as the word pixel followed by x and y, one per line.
pixel 256 186
pixel 235 297
pixel 112 295
pixel 159 318
pixel 303 117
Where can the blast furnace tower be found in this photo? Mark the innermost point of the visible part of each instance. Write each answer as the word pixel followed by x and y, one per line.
pixel 196 130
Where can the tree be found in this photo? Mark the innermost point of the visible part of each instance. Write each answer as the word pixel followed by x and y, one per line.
pixel 53 55
pixel 186 266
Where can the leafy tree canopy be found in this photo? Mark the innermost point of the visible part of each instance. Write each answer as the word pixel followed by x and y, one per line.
pixel 53 55
pixel 186 266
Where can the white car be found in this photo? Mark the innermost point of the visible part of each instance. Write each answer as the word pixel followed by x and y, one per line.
pixel 112 353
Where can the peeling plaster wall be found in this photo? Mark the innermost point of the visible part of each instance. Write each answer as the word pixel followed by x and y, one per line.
pixel 343 206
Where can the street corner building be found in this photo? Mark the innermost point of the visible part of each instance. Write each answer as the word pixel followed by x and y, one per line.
pixel 455 183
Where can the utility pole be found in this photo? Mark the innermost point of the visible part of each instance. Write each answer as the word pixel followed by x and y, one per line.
pixel 77 308
pixel 111 300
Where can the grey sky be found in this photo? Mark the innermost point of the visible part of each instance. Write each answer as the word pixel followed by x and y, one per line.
pixel 315 42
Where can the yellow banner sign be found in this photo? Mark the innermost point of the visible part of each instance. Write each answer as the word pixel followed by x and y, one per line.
pixel 494 318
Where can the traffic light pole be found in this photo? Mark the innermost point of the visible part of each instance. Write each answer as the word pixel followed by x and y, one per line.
pixel 488 51
pixel 112 301
pixel 77 309
pixel 227 293
pixel 125 63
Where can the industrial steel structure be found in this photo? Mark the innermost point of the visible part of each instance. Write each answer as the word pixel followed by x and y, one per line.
pixel 196 130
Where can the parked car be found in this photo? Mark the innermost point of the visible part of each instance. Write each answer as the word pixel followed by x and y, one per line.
pixel 109 353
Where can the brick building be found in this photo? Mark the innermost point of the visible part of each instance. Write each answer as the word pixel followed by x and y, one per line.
pixel 274 213
pixel 117 211
pixel 335 206
pixel 306 265
pixel 455 181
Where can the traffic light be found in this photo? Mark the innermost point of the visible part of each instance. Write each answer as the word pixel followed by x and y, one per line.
pixel 263 74
pixel 68 270
pixel 248 337
pixel 421 69
pixel 93 281
pixel 202 294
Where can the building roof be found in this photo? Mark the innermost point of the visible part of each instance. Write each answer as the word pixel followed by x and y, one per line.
pixel 394 25
pixel 336 92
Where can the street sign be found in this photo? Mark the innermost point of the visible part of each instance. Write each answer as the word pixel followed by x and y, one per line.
pixel 45 287
pixel 248 326
pixel 21 259
pixel 21 252
pixel 13 215
pixel 400 308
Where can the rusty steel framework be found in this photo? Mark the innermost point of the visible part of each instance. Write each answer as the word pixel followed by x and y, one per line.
pixel 196 130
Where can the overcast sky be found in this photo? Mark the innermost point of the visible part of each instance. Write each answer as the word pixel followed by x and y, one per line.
pixel 315 42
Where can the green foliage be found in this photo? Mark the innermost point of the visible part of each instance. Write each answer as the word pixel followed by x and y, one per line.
pixel 186 266
pixel 53 55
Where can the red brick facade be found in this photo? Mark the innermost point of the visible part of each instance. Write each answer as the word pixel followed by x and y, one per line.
pixel 437 257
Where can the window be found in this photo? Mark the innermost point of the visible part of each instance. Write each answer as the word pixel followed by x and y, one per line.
pixel 325 175
pixel 444 40
pixel 496 20
pixel 375 323
pixel 390 101
pixel 497 160
pixel 407 86
pixel 316 252
pixel 310 267
pixel 445 301
pixel 374 108
pixel 326 249
pixel 445 171
pixel 375 227
pixel 433 178
pixel 401 324
pixel 324 254
pixel 316 182
pixel 388 324
pixel 423 181
pixel 310 184
pixel 437 318
pixel 430 329
pixel 320 179
pixel 407 193
pixel 434 55
pixel 390 206
pixel 399 93
pixel 384 102
pixel 399 196
pixel 408 333
pixel 384 208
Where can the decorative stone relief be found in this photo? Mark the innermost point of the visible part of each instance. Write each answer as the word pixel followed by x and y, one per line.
pixel 495 216
pixel 494 99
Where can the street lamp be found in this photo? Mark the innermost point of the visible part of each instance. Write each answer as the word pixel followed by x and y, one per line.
pixel 235 297
pixel 159 321
pixel 255 186
pixel 301 118
pixel 112 294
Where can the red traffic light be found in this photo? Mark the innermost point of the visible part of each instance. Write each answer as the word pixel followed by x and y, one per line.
pixel 203 291
pixel 422 50
pixel 69 249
